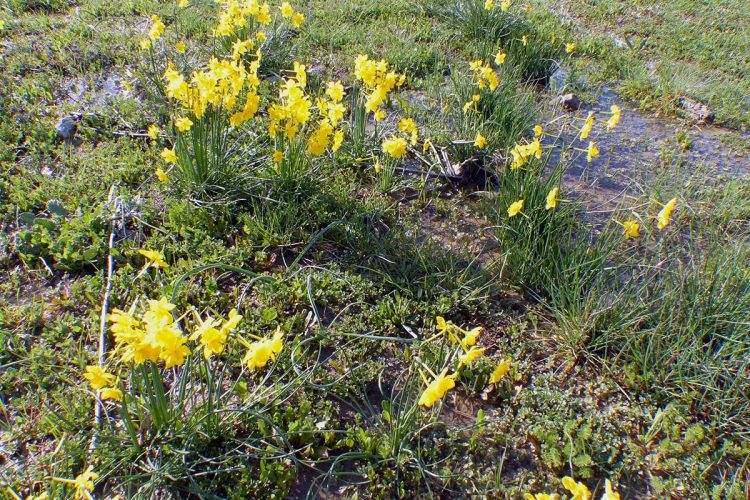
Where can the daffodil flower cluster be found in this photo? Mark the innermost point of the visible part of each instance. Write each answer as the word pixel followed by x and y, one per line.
pixel 235 16
pixel 522 152
pixel 331 111
pixel 378 82
pixel 155 336
pixel 441 383
pixel 292 110
pixel 221 85
pixel 485 74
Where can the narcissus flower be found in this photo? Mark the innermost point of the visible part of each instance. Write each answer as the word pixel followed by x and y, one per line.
pixel 180 47
pixel 505 5
pixel 515 208
pixel 182 3
pixel 97 377
pixel 157 28
pixel 83 484
pixel 609 492
pixel 183 123
pixel 587 125
pixel 552 198
pixel 592 152
pixel 261 352
pixel 145 44
pixel 298 19
pixel 437 388
pixel 665 214
pixel 153 131
pixel 335 90
pixel 471 355
pixel 286 10
pixel 377 166
pixel 169 155
pixel 111 393
pixel 395 146
pixel 278 156
pixel 525 40
pixel 409 126
pixel 631 229
pixel 538 130
pixel 154 257
pixel 570 47
pixel 499 372
pixel 540 496
pixel 500 57
pixel 472 104
pixel 480 141
pixel 579 490
pixel 161 175
pixel 615 118
pixel 489 4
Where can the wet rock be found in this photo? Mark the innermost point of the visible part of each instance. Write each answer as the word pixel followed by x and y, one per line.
pixel 697 111
pixel 67 127
pixel 570 102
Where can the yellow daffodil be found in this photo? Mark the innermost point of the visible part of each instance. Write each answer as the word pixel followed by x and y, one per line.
pixel 489 4
pixel 278 156
pixel 161 175
pixel 480 141
pixel 297 19
pixel 83 484
pixel 631 229
pixel 183 123
pixel 525 40
pixel 472 104
pixel 499 372
pixel 169 155
pixel 182 3
pixel 471 355
pixel 615 118
pixel 111 393
pixel 538 130
pixel 260 36
pixel 378 168
pixel 541 496
pixel 437 388
pixel 500 57
pixel 157 28
pixel 261 352
pixel 587 126
pixel 665 214
pixel 180 47
pixel 552 198
pixel 570 47
pixel 409 126
pixel 97 377
pixel 515 208
pixel 592 152
pixel 286 10
pixel 145 44
pixel 155 258
pixel 153 131
pixel 505 5
pixel 470 337
pixel 395 146
pixel 335 90
pixel 578 490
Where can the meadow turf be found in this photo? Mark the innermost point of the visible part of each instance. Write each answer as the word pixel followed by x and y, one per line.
pixel 384 325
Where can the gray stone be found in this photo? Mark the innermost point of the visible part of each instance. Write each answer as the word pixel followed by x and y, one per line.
pixel 66 128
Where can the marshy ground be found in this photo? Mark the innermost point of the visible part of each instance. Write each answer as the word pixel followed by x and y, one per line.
pixel 595 330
